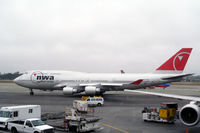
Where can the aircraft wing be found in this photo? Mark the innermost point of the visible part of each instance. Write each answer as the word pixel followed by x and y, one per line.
pixel 61 85
pixel 189 98
pixel 91 84
pixel 109 86
pixel 137 82
pixel 112 86
pixel 117 86
pixel 101 84
pixel 120 86
pixel 177 77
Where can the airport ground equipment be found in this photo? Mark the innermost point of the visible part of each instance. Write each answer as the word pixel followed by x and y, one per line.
pixel 93 101
pixel 80 105
pixel 33 125
pixel 17 113
pixel 81 118
pixel 165 113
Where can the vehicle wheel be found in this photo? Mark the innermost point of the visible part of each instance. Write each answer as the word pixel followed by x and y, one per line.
pixel 36 132
pixel 13 130
pixel 6 128
pixel 77 130
pixel 99 104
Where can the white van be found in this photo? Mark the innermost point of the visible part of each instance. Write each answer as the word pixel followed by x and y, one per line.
pixel 97 101
pixel 16 113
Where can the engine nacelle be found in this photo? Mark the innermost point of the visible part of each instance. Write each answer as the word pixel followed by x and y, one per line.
pixel 69 91
pixel 92 90
pixel 189 114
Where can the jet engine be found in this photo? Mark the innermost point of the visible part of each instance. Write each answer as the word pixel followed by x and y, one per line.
pixel 189 114
pixel 92 90
pixel 69 91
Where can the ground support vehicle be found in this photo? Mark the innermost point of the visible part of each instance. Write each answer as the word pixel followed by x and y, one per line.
pixel 17 113
pixel 93 101
pixel 33 125
pixel 166 113
pixel 81 106
pixel 79 118
pixel 80 122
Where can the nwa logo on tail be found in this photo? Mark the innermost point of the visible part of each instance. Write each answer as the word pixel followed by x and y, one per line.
pixel 39 76
pixel 177 62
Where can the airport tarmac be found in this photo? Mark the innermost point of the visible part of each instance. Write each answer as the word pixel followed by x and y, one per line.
pixel 121 112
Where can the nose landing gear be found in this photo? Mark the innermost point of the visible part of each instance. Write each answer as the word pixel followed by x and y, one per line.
pixel 31 92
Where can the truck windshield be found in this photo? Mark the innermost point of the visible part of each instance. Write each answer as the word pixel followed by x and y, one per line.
pixel 37 123
pixel 5 114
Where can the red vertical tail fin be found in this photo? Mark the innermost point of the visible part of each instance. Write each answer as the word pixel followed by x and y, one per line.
pixel 176 63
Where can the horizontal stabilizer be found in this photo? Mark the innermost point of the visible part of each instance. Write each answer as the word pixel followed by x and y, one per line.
pixel 177 77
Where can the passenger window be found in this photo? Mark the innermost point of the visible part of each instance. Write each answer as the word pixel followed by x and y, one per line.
pixel 28 123
pixel 15 114
pixel 30 111
pixel 88 99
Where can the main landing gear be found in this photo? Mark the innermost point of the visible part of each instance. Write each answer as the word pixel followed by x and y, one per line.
pixel 31 92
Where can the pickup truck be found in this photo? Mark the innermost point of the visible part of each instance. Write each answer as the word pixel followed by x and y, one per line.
pixel 30 126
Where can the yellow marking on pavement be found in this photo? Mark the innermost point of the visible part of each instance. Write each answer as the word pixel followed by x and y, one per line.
pixel 123 131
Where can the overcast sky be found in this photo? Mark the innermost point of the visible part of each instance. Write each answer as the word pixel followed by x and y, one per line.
pixel 97 35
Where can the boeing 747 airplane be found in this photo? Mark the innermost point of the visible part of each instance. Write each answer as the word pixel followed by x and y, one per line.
pixel 97 83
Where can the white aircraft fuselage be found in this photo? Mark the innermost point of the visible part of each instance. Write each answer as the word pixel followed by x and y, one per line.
pixel 97 83
pixel 52 80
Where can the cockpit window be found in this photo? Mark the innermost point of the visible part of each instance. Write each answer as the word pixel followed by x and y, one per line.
pixel 5 114
pixel 24 73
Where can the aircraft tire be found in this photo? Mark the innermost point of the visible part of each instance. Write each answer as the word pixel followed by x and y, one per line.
pixel 31 93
